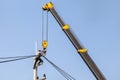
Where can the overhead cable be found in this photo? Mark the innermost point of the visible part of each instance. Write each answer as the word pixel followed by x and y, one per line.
pixel 62 72
pixel 16 59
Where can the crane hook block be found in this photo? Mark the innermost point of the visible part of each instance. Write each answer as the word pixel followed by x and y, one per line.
pixel 44 44
pixel 65 27
pixel 48 6
pixel 82 50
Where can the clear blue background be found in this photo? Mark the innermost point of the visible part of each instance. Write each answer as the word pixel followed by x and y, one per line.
pixel 96 23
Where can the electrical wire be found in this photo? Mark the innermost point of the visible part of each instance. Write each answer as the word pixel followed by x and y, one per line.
pixel 59 70
pixel 16 58
pixel 62 72
pixel 66 75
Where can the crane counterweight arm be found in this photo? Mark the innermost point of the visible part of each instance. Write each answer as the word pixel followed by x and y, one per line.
pixel 80 49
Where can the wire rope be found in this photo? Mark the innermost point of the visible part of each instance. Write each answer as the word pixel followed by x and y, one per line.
pixel 42 25
pixel 47 26
pixel 44 29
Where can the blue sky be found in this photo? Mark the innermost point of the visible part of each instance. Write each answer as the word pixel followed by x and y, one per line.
pixel 96 23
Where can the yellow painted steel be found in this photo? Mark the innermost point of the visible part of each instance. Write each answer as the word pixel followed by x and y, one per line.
pixel 82 50
pixel 44 44
pixel 65 27
pixel 48 6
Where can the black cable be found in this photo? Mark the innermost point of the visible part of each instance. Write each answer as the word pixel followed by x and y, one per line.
pixel 62 72
pixel 55 68
pixel 16 59
pixel 65 72
pixel 66 75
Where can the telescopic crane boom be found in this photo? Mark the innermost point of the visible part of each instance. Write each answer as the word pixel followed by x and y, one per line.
pixel 80 49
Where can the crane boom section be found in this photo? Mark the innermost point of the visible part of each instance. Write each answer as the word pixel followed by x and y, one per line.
pixel 80 49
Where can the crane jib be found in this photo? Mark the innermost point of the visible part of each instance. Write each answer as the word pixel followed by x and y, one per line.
pixel 82 52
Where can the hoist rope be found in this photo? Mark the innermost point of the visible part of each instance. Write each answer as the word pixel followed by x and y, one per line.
pixel 62 72
pixel 47 27
pixel 42 25
pixel 44 32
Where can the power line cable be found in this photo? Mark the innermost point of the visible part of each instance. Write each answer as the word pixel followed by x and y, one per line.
pixel 56 68
pixel 62 72
pixel 21 58
pixel 66 75
pixel 17 57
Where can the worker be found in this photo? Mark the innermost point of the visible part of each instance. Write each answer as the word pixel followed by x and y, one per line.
pixel 40 62
pixel 44 77
pixel 38 58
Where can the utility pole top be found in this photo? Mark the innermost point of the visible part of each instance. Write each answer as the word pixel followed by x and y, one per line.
pixel 37 62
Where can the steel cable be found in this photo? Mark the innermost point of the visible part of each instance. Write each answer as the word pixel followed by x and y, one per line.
pixel 44 31
pixel 42 25
pixel 47 26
